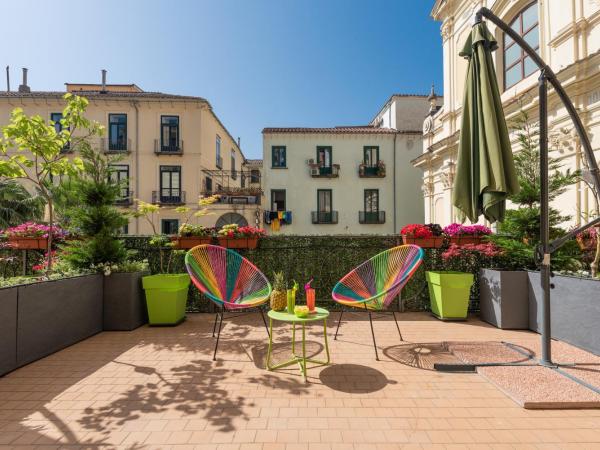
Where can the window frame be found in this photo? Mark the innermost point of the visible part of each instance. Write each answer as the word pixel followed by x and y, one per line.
pixel 254 176
pixel 273 191
pixel 57 123
pixel 366 149
pixel 323 148
pixel 283 150
pixel 119 169
pixel 117 147
pixel 365 195
pixel 164 221
pixel 523 56
pixel 233 171
pixel 330 191
pixel 169 148
pixel 167 168
pixel 218 159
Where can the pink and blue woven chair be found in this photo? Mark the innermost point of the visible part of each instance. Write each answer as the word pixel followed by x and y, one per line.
pixel 375 284
pixel 228 279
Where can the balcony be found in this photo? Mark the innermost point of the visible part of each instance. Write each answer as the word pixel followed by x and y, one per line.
pixel 372 171
pixel 108 146
pixel 168 149
pixel 317 170
pixel 237 195
pixel 369 217
pixel 168 197
pixel 125 200
pixel 219 162
pixel 321 217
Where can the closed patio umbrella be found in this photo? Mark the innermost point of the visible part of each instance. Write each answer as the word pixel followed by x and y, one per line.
pixel 485 174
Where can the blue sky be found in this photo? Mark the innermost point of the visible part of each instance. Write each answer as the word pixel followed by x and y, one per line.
pixel 259 62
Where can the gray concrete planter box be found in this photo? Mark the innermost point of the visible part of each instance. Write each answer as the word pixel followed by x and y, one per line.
pixel 575 310
pixel 8 329
pixel 124 302
pixel 52 315
pixel 504 298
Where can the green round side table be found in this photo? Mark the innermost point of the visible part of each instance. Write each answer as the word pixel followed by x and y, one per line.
pixel 284 316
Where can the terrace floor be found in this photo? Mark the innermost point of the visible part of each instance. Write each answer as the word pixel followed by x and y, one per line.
pixel 159 388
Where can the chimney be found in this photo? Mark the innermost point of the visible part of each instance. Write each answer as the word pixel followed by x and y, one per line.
pixel 23 88
pixel 239 142
pixel 7 79
pixel 103 81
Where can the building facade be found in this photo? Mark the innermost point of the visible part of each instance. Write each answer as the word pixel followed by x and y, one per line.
pixel 567 35
pixel 345 180
pixel 172 149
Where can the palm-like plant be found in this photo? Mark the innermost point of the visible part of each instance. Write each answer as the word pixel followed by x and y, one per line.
pixel 17 205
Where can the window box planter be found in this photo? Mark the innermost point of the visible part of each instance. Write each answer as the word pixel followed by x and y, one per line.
pixel 238 242
pixel 504 298
pixel 166 297
pixel 28 243
pixel 187 242
pixel 431 242
pixel 449 294
pixel 574 306
pixel 462 240
pixel 8 330
pixel 124 304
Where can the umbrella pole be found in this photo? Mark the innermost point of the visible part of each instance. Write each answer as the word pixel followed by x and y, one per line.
pixel 543 249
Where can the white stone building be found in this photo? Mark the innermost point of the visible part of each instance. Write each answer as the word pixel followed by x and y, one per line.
pixel 567 33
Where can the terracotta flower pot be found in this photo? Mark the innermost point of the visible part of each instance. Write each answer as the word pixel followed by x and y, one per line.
pixel 187 242
pixel 233 242
pixel 28 243
pixel 430 242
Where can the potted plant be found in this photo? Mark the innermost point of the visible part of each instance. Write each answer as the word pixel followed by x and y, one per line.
pixel 33 236
pixel 234 236
pixel 466 234
pixel 425 236
pixel 166 293
pixel 189 235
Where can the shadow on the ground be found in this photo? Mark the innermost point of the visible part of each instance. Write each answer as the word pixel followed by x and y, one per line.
pixel 354 378
pixel 422 355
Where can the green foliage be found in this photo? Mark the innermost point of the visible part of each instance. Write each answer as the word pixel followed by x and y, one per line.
pixel 519 234
pixel 17 205
pixel 94 217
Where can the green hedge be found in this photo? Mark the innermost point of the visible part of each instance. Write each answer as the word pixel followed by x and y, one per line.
pixel 326 258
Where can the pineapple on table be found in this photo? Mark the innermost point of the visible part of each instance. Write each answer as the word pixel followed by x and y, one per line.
pixel 278 295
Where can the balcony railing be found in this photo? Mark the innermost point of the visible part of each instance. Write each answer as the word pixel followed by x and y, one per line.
pixel 125 200
pixel 168 148
pixel 322 217
pixel 236 195
pixel 168 197
pixel 119 146
pixel 371 217
pixel 374 171
pixel 219 162
pixel 321 171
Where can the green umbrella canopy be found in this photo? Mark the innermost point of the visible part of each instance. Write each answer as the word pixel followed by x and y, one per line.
pixel 485 174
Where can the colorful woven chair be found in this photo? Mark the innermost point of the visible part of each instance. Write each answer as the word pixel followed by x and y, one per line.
pixel 228 279
pixel 375 283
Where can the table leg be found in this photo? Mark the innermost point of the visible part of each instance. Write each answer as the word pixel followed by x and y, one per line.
pixel 294 339
pixel 303 351
pixel 270 344
pixel 325 337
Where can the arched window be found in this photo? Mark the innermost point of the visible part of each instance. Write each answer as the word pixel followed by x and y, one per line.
pixel 517 65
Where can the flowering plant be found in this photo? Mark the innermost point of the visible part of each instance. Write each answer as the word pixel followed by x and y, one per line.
pixel 188 230
pixel 457 229
pixel 35 230
pixel 417 230
pixel 455 251
pixel 234 230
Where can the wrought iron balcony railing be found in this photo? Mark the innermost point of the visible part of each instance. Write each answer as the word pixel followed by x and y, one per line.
pixel 371 217
pixel 372 171
pixel 321 217
pixel 321 171
pixel 115 146
pixel 168 197
pixel 166 148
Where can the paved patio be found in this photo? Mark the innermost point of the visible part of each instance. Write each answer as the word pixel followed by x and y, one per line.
pixel 159 388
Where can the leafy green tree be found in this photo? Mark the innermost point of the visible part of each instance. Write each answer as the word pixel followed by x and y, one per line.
pixel 32 150
pixel 17 205
pixel 519 233
pixel 93 215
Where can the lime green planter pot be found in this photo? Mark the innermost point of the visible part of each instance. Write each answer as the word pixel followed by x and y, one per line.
pixel 166 297
pixel 449 293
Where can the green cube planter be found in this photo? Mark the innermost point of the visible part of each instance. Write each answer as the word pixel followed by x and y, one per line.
pixel 449 293
pixel 166 297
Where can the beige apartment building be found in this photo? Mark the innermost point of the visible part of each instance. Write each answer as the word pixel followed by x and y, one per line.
pixel 567 34
pixel 172 150
pixel 346 180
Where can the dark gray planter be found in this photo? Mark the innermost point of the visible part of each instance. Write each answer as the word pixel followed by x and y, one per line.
pixel 55 314
pixel 575 310
pixel 8 330
pixel 504 299
pixel 124 302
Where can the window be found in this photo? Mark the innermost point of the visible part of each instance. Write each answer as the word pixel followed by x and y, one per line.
pixel 517 65
pixel 117 132
pixel 125 229
pixel 278 157
pixel 278 200
pixel 169 133
pixel 371 200
pixel 56 118
pixel 169 226
pixel 233 172
pixel 371 156
pixel 255 176
pixel 208 185
pixel 219 160
pixel 170 184
pixel 324 160
pixel 120 175
pixel 324 207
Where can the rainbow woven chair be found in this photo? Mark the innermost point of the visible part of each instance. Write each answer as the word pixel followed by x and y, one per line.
pixel 375 283
pixel 229 280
